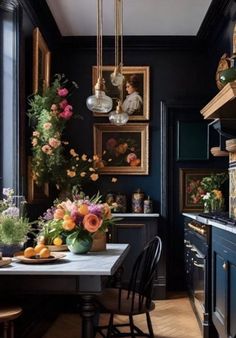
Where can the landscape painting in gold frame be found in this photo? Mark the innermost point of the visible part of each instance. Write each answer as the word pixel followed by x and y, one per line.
pixel 124 150
pixel 41 63
pixel 142 76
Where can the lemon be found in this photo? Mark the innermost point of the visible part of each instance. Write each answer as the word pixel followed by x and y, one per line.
pixel 57 241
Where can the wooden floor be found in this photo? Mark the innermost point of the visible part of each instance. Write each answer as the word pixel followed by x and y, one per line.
pixel 172 318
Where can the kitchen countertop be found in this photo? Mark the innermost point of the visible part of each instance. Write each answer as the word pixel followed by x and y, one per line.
pixel 208 221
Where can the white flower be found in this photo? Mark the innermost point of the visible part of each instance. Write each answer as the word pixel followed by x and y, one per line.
pixel 207 196
pixel 12 212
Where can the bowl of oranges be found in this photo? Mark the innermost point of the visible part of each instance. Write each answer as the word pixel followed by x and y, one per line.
pixel 38 254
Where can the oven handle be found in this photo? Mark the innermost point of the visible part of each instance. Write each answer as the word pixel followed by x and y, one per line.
pixel 198 265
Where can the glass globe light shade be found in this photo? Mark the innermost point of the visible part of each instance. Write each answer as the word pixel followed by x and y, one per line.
pixel 117 78
pixel 118 116
pixel 100 102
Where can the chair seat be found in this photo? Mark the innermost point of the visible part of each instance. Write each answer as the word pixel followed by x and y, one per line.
pixel 9 312
pixel 110 301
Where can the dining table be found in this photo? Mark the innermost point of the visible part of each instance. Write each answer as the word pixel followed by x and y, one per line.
pixel 83 275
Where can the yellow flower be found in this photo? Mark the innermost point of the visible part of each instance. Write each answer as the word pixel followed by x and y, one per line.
pixel 84 157
pixel 218 194
pixel 83 174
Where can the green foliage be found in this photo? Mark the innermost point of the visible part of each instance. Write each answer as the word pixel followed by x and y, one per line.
pixel 214 181
pixel 13 230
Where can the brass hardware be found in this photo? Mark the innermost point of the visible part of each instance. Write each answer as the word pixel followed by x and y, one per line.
pixel 224 266
pixel 198 265
pixel 109 237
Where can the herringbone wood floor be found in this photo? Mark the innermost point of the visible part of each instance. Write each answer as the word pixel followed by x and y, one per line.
pixel 172 318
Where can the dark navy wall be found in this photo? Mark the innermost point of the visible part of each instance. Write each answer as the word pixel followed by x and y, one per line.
pixel 175 75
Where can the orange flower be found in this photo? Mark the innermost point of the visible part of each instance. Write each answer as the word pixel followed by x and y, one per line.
pixel 59 214
pixel 106 211
pixel 91 222
pixel 83 209
pixel 68 223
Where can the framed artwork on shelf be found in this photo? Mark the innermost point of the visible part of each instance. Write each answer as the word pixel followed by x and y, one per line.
pixel 190 190
pixel 41 63
pixel 192 141
pixel 124 150
pixel 139 76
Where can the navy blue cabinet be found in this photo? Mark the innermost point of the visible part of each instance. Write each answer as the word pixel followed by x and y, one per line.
pixel 224 282
pixel 137 231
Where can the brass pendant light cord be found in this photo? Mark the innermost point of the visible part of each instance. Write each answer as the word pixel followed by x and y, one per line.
pixel 99 37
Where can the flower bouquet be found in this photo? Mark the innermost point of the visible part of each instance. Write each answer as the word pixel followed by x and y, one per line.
pixel 76 222
pixel 213 198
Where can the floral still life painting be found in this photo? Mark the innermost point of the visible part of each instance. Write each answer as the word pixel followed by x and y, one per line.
pixel 122 150
pixel 193 187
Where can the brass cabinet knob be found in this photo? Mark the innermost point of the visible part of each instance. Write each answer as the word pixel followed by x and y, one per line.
pixel 224 266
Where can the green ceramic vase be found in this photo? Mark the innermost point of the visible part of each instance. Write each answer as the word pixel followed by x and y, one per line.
pixel 78 245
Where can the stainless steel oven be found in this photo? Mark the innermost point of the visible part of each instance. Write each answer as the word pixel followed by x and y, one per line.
pixel 197 261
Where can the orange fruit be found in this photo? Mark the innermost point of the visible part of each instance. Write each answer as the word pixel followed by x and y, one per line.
pixel 39 247
pixel 44 253
pixel 57 241
pixel 29 252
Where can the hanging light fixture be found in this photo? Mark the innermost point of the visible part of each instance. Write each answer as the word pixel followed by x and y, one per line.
pixel 99 102
pixel 118 116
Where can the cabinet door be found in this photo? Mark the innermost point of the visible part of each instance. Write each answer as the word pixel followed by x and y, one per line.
pixel 232 300
pixel 134 234
pixel 219 293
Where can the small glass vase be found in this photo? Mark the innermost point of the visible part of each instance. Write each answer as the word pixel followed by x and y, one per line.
pixel 217 205
pixel 78 245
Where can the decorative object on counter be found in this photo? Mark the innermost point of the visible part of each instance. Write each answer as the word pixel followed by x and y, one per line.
pixel 14 227
pixel 76 222
pixel 110 198
pixel 120 202
pixel 224 64
pixel 137 201
pixel 147 206
pixel 213 199
pixel 232 190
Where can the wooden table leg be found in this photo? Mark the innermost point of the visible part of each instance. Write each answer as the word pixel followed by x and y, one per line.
pixel 87 314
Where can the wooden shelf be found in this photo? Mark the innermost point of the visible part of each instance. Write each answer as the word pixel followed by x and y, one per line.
pixel 223 105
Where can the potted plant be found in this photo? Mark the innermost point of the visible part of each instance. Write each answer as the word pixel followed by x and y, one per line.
pixel 13 226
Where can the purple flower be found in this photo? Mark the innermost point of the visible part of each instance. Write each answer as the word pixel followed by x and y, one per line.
pixel 48 215
pixel 95 209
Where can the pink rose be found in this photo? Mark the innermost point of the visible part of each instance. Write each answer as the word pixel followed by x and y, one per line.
pixel 63 104
pixel 54 143
pixel 47 149
pixel 66 114
pixel 68 107
pixel 62 92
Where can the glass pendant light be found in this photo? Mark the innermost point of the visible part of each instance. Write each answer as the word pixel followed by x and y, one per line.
pixel 118 116
pixel 99 102
pixel 117 78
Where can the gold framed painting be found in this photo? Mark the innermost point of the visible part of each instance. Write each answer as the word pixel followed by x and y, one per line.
pixel 124 150
pixel 139 77
pixel 190 190
pixel 41 62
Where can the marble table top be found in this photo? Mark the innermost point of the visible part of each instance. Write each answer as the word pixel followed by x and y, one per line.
pixel 102 263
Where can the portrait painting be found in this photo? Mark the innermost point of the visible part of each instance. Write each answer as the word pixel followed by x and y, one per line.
pixel 122 149
pixel 134 93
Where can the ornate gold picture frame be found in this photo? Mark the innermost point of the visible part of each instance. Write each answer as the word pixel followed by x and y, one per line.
pixel 142 76
pixel 124 150
pixel 41 62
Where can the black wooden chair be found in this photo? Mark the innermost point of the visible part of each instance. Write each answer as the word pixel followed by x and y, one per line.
pixel 137 299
